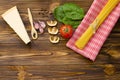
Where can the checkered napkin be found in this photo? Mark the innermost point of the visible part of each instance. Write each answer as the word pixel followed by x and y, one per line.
pixel 93 47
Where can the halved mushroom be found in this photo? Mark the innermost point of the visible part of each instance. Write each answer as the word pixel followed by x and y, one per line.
pixel 52 23
pixel 54 39
pixel 52 30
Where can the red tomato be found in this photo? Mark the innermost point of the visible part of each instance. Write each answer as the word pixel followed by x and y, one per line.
pixel 66 31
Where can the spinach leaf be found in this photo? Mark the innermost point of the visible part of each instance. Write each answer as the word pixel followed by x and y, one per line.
pixel 69 13
pixel 59 14
pixel 73 11
pixel 73 23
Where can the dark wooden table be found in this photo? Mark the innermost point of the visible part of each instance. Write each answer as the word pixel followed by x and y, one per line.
pixel 42 60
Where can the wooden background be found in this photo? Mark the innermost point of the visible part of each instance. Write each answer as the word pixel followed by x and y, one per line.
pixel 42 60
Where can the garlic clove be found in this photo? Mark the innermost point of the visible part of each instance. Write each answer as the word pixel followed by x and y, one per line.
pixel 41 30
pixel 51 23
pixel 36 25
pixel 42 23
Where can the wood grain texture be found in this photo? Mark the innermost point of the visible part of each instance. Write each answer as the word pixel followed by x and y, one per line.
pixel 45 61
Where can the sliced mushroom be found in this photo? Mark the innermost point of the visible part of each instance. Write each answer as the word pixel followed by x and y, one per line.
pixel 54 39
pixel 52 23
pixel 52 30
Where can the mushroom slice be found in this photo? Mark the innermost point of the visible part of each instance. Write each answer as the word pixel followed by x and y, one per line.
pixel 52 23
pixel 52 30
pixel 54 39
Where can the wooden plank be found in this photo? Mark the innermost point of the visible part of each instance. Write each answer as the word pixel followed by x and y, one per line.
pixel 63 72
pixel 42 60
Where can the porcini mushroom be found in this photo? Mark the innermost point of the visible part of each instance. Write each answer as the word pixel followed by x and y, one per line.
pixel 54 39
pixel 52 30
pixel 52 23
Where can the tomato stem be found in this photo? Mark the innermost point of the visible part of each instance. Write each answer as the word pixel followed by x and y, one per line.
pixel 66 30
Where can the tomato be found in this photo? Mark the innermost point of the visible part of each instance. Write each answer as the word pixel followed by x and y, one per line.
pixel 66 31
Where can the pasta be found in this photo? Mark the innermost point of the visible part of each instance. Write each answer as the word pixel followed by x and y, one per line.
pixel 83 40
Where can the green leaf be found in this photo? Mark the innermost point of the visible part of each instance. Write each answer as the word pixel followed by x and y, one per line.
pixel 73 23
pixel 73 11
pixel 70 14
pixel 59 14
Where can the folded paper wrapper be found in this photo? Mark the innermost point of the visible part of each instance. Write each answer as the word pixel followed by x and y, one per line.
pixel 94 45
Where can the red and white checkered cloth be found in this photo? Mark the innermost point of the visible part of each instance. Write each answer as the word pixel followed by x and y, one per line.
pixel 93 47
